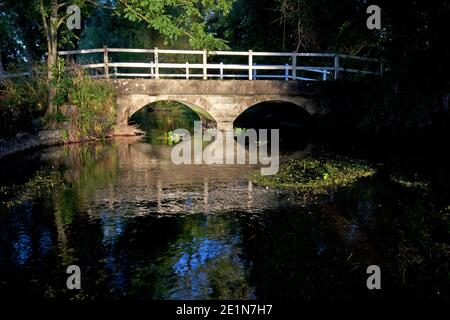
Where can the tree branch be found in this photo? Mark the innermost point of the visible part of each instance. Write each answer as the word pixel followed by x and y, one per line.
pixel 44 20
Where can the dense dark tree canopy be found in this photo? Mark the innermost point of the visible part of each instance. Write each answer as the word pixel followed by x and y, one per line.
pixel 20 33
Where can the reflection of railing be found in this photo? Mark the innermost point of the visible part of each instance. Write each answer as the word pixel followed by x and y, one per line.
pixel 325 67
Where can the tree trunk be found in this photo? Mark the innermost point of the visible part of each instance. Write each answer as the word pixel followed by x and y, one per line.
pixel 51 63
pixel 51 28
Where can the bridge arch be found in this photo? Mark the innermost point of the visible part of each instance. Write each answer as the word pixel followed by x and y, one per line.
pixel 299 101
pixel 275 112
pixel 129 105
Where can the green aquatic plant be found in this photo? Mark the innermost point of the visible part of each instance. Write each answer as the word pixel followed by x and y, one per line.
pixel 44 181
pixel 410 182
pixel 172 138
pixel 239 131
pixel 316 175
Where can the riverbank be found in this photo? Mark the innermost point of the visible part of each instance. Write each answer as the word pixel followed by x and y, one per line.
pixel 23 142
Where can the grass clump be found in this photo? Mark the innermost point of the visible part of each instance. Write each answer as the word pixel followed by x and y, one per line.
pixel 315 175
pixel 93 115
pixel 95 107
pixel 27 92
pixel 84 107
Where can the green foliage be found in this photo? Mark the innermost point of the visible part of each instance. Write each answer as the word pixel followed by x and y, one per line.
pixel 27 92
pixel 43 182
pixel 62 83
pixel 410 181
pixel 172 138
pixel 239 131
pixel 20 40
pixel 95 107
pixel 303 25
pixel 175 19
pixel 316 175
pixel 94 113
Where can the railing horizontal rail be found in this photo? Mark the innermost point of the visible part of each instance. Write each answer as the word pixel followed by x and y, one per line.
pixel 220 53
pixel 93 65
pixel 15 75
pixel 131 50
pixel 327 64
pixel 84 51
pixel 358 58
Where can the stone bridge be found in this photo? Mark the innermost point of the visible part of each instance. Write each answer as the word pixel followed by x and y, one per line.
pixel 221 101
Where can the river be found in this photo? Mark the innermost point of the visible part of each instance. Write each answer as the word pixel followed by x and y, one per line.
pixel 140 227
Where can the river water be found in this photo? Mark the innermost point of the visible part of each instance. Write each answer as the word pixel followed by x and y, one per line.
pixel 140 227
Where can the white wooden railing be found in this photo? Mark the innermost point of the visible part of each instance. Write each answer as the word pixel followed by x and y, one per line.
pixel 329 66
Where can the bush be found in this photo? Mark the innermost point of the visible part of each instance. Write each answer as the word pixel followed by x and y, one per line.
pixel 95 106
pixel 22 99
pixel 29 93
pixel 94 113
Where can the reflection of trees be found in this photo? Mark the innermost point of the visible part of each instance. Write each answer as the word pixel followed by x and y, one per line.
pixel 165 117
pixel 26 242
pixel 323 251
pixel 204 262
pixel 297 255
pixel 89 167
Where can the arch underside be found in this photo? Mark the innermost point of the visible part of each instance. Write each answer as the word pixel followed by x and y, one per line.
pixel 253 101
pixel 197 104
pixel 221 109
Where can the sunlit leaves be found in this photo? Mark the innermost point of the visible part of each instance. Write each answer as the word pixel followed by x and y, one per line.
pixel 179 18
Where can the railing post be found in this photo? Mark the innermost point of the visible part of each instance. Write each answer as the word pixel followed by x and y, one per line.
pixel 294 66
pixel 381 70
pixel 221 71
pixel 115 72
pixel 156 63
pixel 106 61
pixel 250 64
pixel 187 70
pixel 205 62
pixel 254 72
pixel 286 72
pixel 152 69
pixel 324 75
pixel 336 67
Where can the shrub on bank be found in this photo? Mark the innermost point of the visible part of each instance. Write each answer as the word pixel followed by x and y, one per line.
pixel 95 113
pixel 85 108
pixel 30 93
pixel 21 101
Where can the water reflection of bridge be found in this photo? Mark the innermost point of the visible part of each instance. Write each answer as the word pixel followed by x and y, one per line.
pixel 146 181
pixel 157 184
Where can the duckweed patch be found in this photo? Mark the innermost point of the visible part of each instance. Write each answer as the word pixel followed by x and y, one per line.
pixel 410 182
pixel 44 181
pixel 172 138
pixel 316 175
